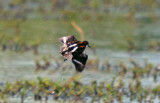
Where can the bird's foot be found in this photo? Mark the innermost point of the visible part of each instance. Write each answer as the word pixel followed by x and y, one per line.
pixel 65 60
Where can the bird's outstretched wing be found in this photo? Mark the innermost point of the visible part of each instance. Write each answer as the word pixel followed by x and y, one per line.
pixel 67 40
pixel 79 61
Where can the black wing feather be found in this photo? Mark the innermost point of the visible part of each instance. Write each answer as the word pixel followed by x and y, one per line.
pixel 79 62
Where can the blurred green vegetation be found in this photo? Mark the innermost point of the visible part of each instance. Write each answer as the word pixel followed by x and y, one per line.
pixel 116 24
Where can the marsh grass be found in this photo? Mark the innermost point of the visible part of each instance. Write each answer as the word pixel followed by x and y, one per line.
pixel 73 89
pixel 109 32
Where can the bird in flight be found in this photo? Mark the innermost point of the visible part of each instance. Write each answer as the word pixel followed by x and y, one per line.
pixel 73 50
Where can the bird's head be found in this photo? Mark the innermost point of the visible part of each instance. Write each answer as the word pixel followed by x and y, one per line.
pixel 86 43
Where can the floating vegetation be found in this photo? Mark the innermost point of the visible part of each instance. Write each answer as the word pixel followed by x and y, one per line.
pixel 74 90
pixel 125 84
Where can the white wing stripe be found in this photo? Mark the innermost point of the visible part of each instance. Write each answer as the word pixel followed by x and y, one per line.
pixel 78 62
pixel 72 45
pixel 74 49
pixel 64 40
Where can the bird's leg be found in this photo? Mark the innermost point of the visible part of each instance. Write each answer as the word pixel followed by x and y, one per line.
pixel 65 60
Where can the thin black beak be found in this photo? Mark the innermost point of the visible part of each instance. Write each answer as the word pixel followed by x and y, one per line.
pixel 89 46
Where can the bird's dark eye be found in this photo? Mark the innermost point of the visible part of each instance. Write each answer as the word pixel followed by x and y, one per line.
pixel 85 42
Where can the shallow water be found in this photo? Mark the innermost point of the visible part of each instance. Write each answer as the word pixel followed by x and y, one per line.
pixel 14 65
pixel 20 66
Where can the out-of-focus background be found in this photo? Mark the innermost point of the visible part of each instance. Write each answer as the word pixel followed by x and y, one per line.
pixel 124 60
